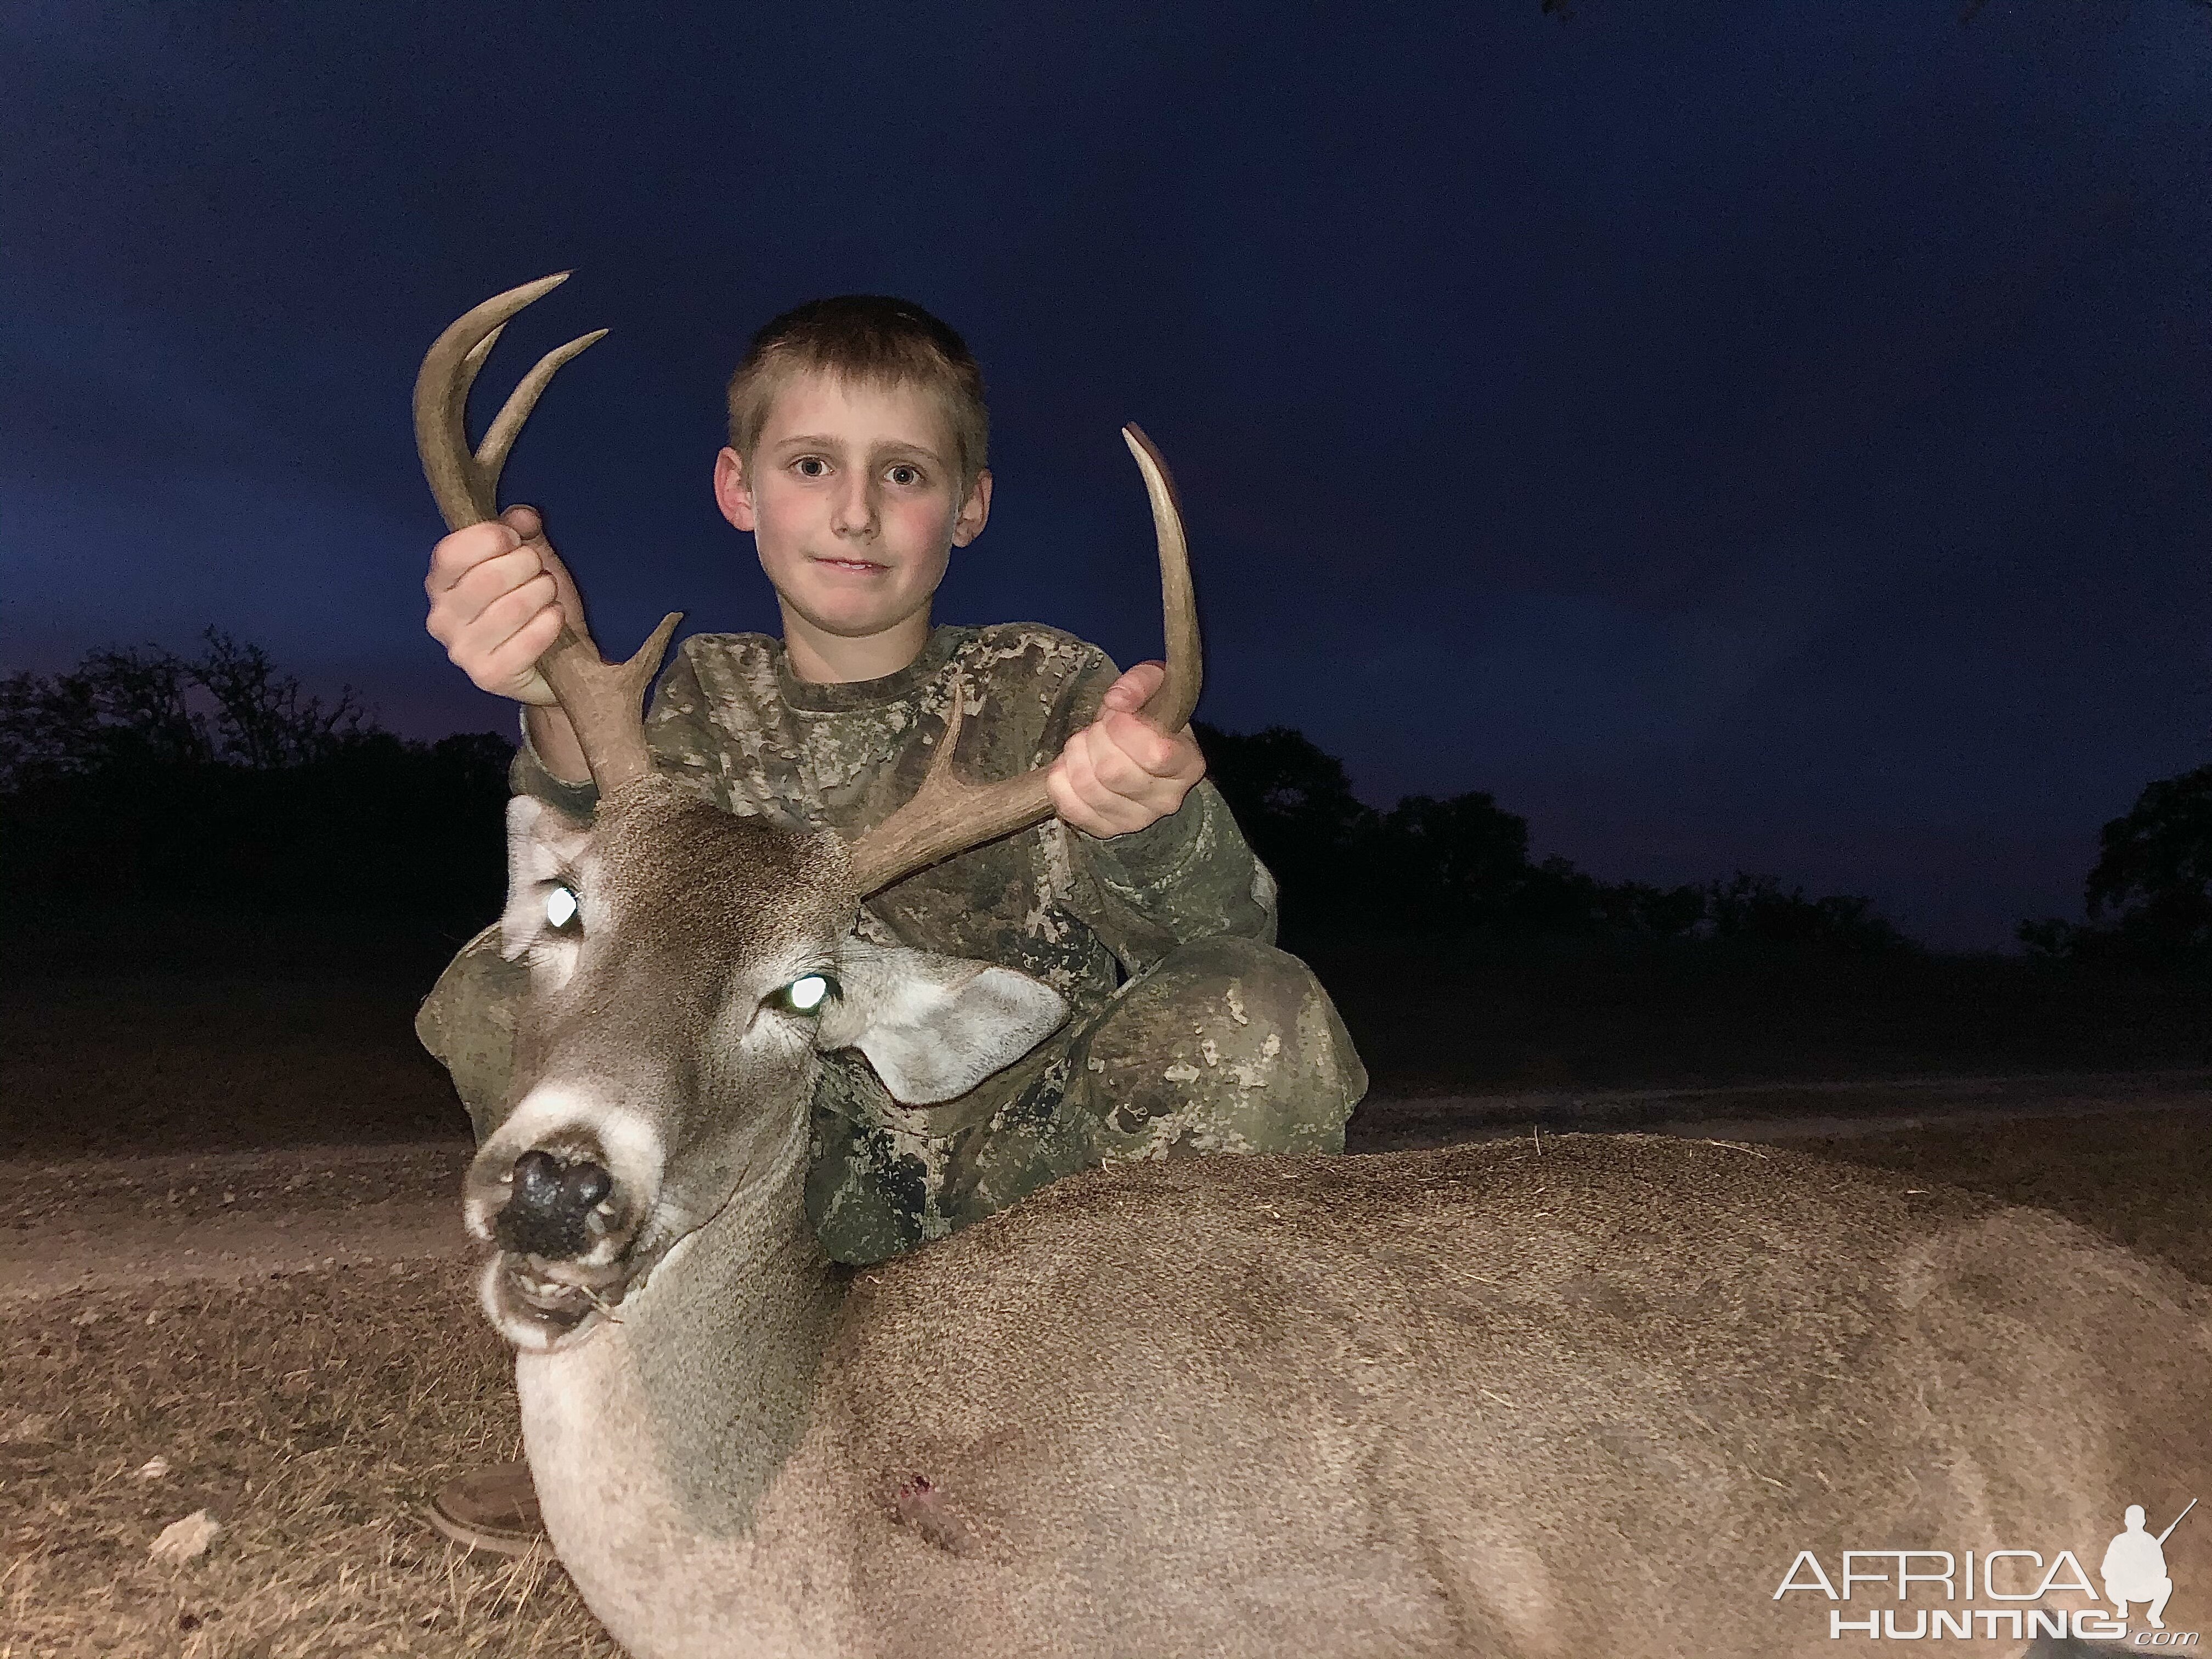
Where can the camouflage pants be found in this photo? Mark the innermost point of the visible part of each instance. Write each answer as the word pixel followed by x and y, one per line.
pixel 1225 1045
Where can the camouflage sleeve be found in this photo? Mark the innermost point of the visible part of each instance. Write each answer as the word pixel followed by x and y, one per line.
pixel 680 736
pixel 1189 877
pixel 527 774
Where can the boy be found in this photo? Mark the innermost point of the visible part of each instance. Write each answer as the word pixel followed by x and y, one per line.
pixel 856 460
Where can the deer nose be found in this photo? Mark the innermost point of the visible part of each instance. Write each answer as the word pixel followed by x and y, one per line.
pixel 548 1213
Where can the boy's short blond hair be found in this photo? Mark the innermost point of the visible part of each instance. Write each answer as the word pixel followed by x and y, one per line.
pixel 873 340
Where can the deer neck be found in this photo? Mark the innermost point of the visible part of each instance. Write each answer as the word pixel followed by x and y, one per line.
pixel 672 1418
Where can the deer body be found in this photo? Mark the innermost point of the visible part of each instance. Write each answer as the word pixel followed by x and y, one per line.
pixel 1499 1400
pixel 1475 1402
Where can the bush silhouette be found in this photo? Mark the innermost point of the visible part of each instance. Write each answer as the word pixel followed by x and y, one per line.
pixel 1458 869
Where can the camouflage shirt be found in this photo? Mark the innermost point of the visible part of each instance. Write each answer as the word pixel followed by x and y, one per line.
pixel 1079 913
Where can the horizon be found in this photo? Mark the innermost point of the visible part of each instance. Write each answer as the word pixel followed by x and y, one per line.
pixel 1770 441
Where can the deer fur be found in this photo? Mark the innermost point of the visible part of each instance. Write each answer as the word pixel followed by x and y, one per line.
pixel 1494 1400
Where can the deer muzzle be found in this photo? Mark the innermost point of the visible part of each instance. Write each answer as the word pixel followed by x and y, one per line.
pixel 563 1215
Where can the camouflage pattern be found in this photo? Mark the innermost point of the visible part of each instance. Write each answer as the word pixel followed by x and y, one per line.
pixel 1188 1032
pixel 1227 1045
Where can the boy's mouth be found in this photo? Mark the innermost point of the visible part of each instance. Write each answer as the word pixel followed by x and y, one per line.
pixel 858 567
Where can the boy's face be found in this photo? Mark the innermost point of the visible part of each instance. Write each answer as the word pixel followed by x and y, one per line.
pixel 852 501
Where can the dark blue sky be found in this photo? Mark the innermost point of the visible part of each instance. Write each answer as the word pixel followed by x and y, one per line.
pixel 1734 435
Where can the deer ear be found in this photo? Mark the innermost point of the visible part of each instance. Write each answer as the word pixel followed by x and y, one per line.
pixel 934 1027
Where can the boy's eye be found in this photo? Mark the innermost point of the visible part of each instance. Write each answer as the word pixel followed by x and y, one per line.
pixel 905 474
pixel 806 994
pixel 810 466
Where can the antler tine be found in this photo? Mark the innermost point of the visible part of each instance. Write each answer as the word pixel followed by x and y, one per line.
pixel 500 436
pixel 470 364
pixel 601 702
pixel 947 815
pixel 1170 707
pixel 466 494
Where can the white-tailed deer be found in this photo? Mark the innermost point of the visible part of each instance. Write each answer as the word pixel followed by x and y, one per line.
pixel 1601 1395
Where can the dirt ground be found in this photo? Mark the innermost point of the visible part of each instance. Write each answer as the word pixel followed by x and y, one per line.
pixel 292 1332
pixel 240 1216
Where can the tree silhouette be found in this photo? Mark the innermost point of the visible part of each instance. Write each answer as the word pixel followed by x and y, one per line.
pixel 134 706
pixel 140 777
pixel 1754 907
pixel 1458 869
pixel 263 720
pixel 2148 898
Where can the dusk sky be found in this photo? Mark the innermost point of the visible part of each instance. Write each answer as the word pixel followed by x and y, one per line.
pixel 1735 436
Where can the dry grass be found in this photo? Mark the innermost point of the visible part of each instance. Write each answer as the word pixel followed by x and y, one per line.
pixel 312 1415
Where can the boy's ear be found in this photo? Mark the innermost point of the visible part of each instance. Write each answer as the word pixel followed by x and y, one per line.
pixel 973 511
pixel 733 492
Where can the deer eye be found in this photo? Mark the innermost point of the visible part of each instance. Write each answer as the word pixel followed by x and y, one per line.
pixel 806 994
pixel 561 909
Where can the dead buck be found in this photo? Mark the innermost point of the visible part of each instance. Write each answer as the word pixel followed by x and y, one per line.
pixel 1590 1397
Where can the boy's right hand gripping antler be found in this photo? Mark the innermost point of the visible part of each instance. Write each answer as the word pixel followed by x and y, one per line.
pixel 601 701
pixel 499 595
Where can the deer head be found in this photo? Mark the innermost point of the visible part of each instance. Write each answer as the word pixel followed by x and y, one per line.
pixel 687 966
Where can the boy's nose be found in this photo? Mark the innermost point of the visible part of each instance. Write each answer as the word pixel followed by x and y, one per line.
pixel 854 513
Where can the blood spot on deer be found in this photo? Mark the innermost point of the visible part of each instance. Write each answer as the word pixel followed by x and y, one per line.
pixel 922 1504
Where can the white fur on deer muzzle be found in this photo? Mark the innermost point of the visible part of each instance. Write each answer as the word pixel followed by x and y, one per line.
pixel 535 1300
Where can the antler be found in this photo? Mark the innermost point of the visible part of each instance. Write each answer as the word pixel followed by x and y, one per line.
pixel 948 814
pixel 601 702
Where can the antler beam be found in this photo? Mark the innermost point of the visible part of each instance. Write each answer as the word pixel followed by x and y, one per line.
pixel 601 701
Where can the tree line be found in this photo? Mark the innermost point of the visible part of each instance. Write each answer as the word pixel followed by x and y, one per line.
pixel 147 778
pixel 143 778
pixel 1458 869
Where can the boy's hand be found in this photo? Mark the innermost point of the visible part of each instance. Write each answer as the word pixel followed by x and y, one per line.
pixel 498 593
pixel 1121 772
